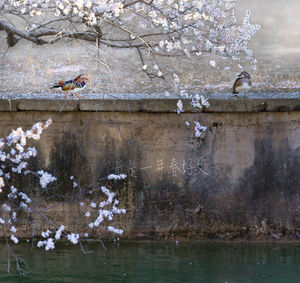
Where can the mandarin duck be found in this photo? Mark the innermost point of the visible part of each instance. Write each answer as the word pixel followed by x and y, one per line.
pixel 242 83
pixel 72 86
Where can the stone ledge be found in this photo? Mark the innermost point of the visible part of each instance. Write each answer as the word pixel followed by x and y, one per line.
pixel 46 105
pixel 219 102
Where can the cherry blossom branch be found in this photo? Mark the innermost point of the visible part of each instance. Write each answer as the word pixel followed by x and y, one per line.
pixel 15 155
pixel 175 28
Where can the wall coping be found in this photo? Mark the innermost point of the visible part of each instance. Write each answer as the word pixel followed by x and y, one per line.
pixel 219 102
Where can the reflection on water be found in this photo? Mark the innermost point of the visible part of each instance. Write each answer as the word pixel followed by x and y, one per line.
pixel 160 262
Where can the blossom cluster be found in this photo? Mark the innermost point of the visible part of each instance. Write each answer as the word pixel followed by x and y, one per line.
pixel 179 107
pixel 201 26
pixel 199 129
pixel 106 214
pixel 185 27
pixel 116 177
pixel 102 214
pixel 197 101
pixel 87 9
pixel 14 159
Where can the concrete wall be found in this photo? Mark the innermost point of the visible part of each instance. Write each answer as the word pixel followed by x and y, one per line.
pixel 240 180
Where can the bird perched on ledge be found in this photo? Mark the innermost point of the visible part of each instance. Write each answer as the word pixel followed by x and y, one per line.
pixel 242 83
pixel 72 86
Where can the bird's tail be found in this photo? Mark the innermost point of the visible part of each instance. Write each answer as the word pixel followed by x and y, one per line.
pixel 58 85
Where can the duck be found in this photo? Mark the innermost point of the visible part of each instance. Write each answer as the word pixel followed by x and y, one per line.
pixel 72 86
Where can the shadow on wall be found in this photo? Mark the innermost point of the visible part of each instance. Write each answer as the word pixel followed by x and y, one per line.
pixel 68 158
pixel 195 204
pixel 270 188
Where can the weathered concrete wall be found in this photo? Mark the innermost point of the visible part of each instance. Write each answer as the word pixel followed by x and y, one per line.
pixel 241 179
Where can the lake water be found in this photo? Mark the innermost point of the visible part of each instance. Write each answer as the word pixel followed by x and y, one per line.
pixel 158 262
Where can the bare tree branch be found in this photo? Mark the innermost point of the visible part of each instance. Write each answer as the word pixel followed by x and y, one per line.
pixel 11 29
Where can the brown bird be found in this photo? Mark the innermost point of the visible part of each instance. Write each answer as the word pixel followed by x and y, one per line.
pixel 242 83
pixel 72 86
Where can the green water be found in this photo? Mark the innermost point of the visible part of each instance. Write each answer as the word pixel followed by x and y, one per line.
pixel 158 262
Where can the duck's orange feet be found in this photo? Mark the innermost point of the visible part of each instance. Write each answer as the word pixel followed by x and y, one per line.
pixel 77 95
pixel 66 95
